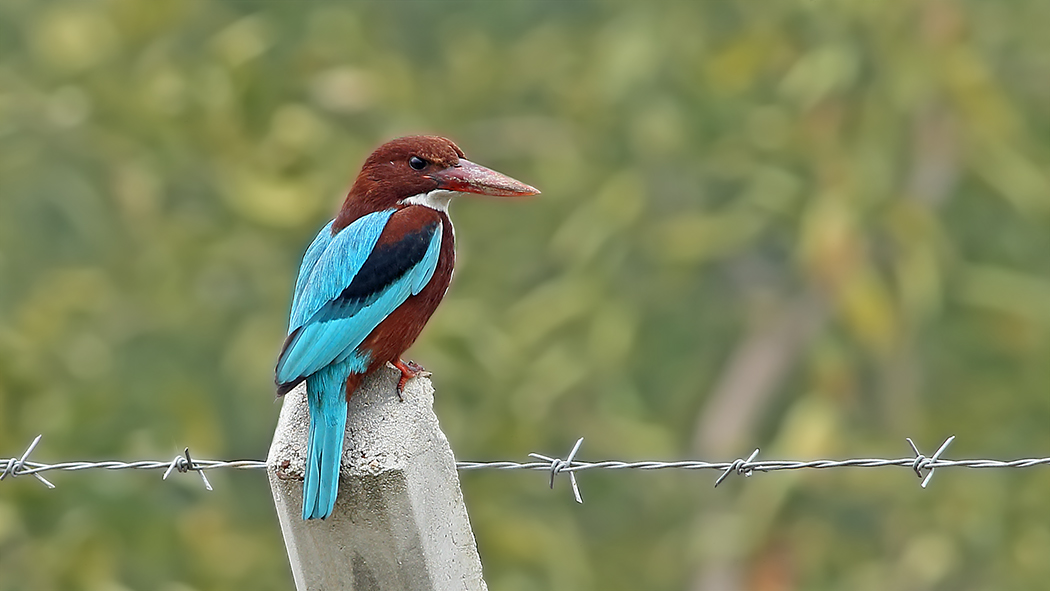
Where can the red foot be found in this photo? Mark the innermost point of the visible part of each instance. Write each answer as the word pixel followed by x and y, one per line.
pixel 408 371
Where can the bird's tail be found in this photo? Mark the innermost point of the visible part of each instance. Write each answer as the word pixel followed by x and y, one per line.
pixel 324 451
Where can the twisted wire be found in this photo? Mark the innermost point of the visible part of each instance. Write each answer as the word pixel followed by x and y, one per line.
pixel 919 463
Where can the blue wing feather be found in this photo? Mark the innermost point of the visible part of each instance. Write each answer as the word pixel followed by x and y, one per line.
pixel 337 264
pixel 313 253
pixel 329 328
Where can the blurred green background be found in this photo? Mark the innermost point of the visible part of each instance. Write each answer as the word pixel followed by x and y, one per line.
pixel 815 227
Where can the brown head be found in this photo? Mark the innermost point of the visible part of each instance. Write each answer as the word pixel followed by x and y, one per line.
pixel 420 168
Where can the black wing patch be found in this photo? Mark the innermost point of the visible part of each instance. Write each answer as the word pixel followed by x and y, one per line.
pixel 386 264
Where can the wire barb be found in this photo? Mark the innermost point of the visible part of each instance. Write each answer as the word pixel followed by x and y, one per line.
pixel 184 464
pixel 15 466
pixel 923 463
pixel 557 465
pixel 740 467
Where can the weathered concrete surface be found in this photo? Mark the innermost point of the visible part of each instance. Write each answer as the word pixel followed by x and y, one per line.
pixel 399 521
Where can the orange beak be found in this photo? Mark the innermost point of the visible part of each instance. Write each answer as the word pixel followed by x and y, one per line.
pixel 467 177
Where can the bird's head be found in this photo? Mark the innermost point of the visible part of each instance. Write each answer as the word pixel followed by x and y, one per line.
pixel 424 170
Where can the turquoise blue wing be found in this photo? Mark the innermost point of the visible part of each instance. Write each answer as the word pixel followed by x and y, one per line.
pixel 332 262
pixel 313 253
pixel 332 329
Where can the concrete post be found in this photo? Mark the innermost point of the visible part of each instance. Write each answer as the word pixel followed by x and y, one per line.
pixel 399 521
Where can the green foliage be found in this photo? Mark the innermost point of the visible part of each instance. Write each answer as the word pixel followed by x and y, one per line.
pixel 813 226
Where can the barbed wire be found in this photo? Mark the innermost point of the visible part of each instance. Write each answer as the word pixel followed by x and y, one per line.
pixel 919 463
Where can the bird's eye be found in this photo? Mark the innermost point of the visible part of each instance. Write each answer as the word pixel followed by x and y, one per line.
pixel 417 163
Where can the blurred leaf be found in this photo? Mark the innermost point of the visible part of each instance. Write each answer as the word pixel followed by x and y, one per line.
pixel 1006 291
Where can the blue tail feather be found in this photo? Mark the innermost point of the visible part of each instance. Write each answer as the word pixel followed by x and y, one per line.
pixel 327 403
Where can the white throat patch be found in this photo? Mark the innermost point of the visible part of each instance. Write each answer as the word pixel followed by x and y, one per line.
pixel 437 199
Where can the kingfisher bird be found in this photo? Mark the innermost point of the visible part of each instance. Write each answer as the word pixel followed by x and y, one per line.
pixel 367 285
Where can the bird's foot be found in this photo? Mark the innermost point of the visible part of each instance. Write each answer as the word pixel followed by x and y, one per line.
pixel 409 370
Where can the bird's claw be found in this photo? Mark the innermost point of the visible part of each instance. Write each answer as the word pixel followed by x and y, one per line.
pixel 415 367
pixel 409 370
